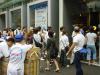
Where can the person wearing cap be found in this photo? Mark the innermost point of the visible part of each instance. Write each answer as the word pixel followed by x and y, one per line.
pixel 17 56
pixel 78 43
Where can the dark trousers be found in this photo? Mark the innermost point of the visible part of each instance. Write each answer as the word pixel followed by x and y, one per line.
pixel 77 63
pixel 63 58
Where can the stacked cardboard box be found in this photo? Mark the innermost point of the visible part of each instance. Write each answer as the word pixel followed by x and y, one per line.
pixel 31 67
pixel 32 62
pixel 4 66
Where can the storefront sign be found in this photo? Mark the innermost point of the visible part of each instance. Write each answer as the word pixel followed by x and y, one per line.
pixel 41 17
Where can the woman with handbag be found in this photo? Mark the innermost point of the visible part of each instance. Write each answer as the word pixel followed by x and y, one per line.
pixel 52 52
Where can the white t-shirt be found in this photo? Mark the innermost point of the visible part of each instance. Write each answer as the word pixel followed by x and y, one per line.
pixel 74 33
pixel 17 32
pixel 4 49
pixel 80 40
pixel 37 38
pixel 46 37
pixel 64 42
pixel 91 38
pixel 17 55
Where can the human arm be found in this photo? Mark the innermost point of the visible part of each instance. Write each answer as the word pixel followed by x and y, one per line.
pixel 27 47
pixel 75 42
pixel 48 44
pixel 71 48
pixel 5 51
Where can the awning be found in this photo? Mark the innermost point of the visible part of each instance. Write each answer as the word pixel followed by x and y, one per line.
pixel 7 4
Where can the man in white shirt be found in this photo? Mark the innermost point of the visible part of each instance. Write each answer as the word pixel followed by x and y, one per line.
pixel 17 31
pixel 78 43
pixel 91 39
pixel 17 57
pixel 61 30
pixel 73 35
pixel 64 44
pixel 60 34
pixel 3 52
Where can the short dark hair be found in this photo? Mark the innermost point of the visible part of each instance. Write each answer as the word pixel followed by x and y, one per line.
pixel 64 32
pixel 39 28
pixel 91 29
pixel 76 29
pixel 10 39
pixel 49 28
pixel 61 28
pixel 50 34
pixel 35 31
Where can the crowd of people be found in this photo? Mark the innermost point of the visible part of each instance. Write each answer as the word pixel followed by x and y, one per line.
pixel 14 44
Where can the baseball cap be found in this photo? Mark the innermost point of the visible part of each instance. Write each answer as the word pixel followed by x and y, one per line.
pixel 19 38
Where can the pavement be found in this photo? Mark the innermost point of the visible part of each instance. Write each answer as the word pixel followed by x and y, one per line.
pixel 88 70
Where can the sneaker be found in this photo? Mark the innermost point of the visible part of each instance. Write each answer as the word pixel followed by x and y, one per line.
pixel 67 66
pixel 42 59
pixel 94 63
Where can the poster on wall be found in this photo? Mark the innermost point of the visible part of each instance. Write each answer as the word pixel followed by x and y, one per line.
pixel 41 17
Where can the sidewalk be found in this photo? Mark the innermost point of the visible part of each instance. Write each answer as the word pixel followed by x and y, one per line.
pixel 88 70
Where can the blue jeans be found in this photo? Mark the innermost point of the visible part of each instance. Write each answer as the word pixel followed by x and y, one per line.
pixel 63 58
pixel 91 50
pixel 77 63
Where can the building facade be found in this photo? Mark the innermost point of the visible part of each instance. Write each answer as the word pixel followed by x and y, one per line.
pixel 44 13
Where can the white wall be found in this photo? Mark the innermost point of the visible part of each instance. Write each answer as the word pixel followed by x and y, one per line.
pixel 60 13
pixel 24 17
pixel 1 1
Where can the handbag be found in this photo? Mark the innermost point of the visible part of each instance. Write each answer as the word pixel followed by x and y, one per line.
pixel 37 43
pixel 83 52
pixel 53 53
pixel 66 48
pixel 54 50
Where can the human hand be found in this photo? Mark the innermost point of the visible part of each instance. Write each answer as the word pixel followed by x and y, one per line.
pixel 67 54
